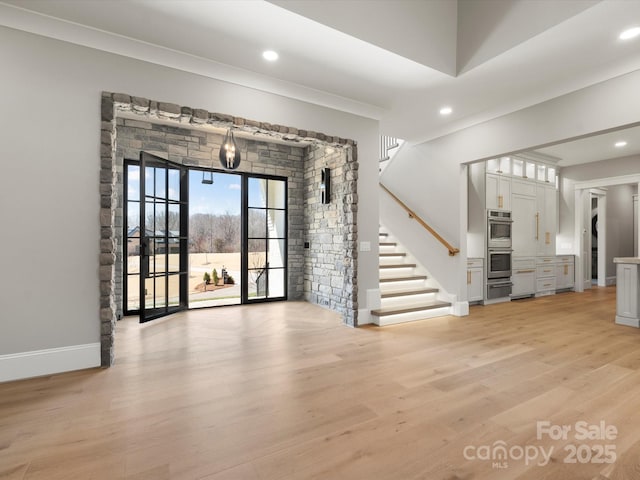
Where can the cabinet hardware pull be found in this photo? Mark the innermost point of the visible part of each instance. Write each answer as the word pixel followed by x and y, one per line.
pixel 500 201
pixel 537 225
pixel 566 269
pixel 525 271
pixel 468 277
pixel 547 238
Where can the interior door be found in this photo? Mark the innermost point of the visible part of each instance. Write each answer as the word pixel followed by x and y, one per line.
pixel 164 237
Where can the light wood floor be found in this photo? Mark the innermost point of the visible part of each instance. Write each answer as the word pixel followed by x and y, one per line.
pixel 284 391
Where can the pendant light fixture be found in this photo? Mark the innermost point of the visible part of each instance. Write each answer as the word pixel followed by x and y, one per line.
pixel 229 152
pixel 207 177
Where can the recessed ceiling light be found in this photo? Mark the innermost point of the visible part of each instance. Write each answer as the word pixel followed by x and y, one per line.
pixel 630 33
pixel 446 111
pixel 270 55
pixel 621 144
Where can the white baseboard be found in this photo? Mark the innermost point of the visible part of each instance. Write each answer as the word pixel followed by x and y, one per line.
pixel 460 309
pixel 412 316
pixel 364 316
pixel 629 322
pixel 36 363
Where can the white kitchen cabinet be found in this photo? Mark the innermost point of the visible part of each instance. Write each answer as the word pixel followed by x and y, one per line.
pixel 546 219
pixel 627 291
pixel 523 277
pixel 475 280
pixel 498 191
pixel 565 272
pixel 545 276
pixel 523 212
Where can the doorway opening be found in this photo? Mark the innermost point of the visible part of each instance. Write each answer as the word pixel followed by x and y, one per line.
pixel 199 238
pixel 321 248
pixel 215 245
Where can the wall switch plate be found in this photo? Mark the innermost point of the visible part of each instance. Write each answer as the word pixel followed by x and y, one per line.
pixel 365 246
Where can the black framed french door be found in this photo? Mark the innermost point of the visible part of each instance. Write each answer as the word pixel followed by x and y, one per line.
pixel 265 239
pixel 163 237
pixel 221 241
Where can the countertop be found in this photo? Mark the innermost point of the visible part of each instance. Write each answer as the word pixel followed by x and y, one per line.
pixel 635 260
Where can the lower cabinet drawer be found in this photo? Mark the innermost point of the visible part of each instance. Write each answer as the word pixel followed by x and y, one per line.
pixel 546 271
pixel 544 284
pixel 524 282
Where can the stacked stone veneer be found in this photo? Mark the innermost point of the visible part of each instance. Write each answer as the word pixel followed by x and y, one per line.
pixel 331 231
pixel 325 273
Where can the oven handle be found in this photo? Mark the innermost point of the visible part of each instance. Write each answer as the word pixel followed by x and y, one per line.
pixel 500 284
pixel 499 220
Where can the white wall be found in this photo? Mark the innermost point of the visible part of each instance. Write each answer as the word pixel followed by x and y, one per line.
pixel 428 174
pixel 428 185
pixel 619 224
pixel 50 148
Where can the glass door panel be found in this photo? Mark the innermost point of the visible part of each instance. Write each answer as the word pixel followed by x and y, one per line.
pixel 266 227
pixel 530 170
pixel 518 167
pixel 200 243
pixel 276 283
pixel 163 244
pixel 132 238
pixel 215 246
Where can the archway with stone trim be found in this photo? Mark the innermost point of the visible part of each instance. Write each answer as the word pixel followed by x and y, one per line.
pixel 325 273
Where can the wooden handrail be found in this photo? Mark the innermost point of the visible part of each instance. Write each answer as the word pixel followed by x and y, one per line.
pixel 452 250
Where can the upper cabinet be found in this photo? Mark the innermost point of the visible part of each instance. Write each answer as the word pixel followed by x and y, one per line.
pixel 524 169
pixel 500 165
pixel 498 188
pixel 523 184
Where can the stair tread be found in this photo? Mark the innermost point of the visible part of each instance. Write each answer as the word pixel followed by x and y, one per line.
pixel 388 244
pixel 403 278
pixel 401 254
pixel 402 293
pixel 383 234
pixel 398 265
pixel 382 312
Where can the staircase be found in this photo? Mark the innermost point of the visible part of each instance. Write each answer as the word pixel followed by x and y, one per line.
pixel 388 148
pixel 407 294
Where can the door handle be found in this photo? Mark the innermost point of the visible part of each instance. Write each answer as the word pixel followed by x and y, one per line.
pixel 145 253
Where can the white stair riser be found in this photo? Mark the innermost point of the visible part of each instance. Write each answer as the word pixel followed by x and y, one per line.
pixel 412 316
pixel 396 272
pixel 407 299
pixel 404 285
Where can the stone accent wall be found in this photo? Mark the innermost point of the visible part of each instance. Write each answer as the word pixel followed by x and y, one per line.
pixel 189 136
pixel 329 269
pixel 200 149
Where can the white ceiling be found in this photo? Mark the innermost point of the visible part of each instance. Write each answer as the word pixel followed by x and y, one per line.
pixel 596 148
pixel 395 60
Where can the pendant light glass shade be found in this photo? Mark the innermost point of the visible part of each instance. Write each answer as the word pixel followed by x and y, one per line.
pixel 229 152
